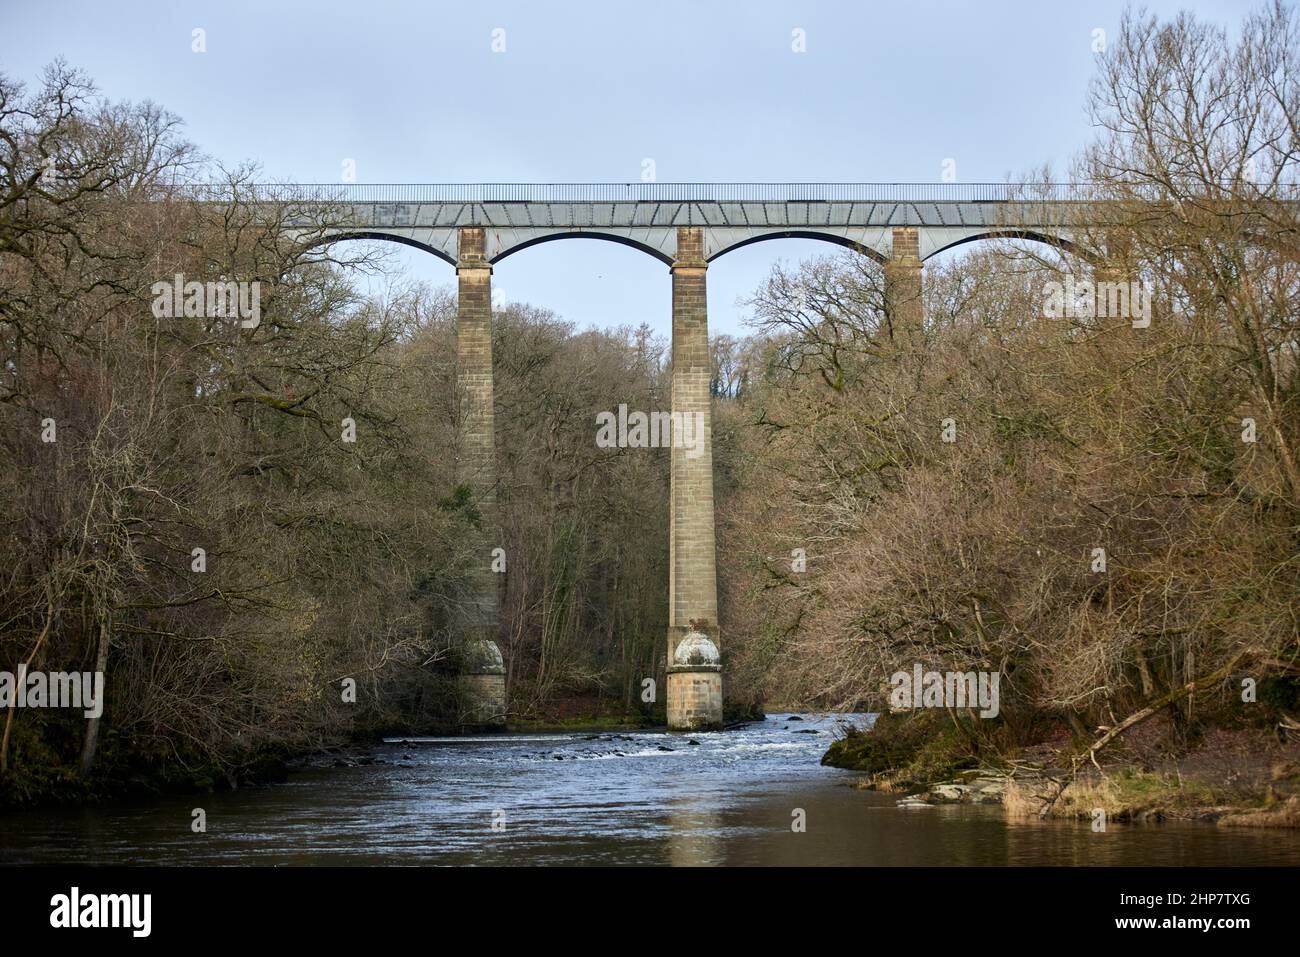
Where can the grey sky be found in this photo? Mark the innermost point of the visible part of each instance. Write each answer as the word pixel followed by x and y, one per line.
pixel 413 92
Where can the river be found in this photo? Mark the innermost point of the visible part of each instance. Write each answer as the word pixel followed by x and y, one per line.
pixel 622 798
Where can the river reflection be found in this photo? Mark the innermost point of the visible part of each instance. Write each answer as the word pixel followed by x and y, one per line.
pixel 695 834
pixel 642 798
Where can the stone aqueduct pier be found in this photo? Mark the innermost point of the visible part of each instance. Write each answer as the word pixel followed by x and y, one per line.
pixel 686 227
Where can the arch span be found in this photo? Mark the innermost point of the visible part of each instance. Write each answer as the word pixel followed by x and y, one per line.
pixel 585 234
pixel 1058 242
pixel 832 238
pixel 385 237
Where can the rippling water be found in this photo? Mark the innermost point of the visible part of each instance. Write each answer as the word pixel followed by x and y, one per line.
pixel 635 798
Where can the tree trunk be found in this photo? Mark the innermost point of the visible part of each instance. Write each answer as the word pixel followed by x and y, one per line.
pixel 92 724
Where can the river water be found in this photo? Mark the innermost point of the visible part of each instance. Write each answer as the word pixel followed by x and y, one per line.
pixel 634 798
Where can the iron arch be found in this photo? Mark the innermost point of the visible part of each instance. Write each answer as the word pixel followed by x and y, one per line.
pixel 385 237
pixel 1058 242
pixel 805 234
pixel 585 234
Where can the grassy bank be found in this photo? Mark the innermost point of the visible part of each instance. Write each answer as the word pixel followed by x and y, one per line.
pixel 1233 773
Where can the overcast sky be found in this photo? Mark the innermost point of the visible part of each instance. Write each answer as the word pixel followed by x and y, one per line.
pixel 587 92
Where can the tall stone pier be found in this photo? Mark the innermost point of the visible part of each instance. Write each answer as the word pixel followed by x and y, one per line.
pixel 694 675
pixel 483 681
pixel 903 287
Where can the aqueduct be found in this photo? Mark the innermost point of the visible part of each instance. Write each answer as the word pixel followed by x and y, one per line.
pixel 685 226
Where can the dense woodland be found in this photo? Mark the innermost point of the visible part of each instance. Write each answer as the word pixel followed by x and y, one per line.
pixel 327 559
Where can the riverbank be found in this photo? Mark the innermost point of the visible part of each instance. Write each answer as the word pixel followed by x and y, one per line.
pixel 1229 776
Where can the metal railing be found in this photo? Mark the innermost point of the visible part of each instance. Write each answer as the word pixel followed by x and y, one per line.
pixel 647 192
pixel 343 193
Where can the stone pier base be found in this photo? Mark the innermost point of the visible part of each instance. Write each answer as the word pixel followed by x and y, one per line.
pixel 695 685
pixel 695 700
pixel 484 700
pixel 483 686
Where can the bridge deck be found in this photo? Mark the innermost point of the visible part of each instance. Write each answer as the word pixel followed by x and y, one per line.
pixel 647 215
